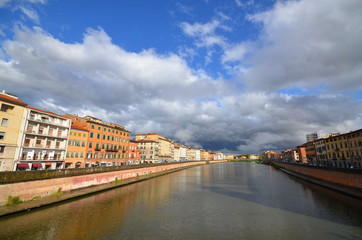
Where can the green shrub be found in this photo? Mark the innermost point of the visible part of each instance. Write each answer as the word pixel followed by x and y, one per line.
pixel 13 201
pixel 59 192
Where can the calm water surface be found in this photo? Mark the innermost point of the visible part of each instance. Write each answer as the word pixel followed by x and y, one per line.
pixel 220 201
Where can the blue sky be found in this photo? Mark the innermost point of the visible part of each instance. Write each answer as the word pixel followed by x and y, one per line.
pixel 240 76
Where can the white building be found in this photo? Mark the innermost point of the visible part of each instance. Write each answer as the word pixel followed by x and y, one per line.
pixel 197 155
pixel 43 140
pixel 183 153
pixel 312 137
pixel 176 153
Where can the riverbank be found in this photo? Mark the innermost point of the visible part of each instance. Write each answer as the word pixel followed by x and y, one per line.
pixel 35 194
pixel 346 181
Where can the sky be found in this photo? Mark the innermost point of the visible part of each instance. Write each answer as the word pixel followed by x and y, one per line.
pixel 238 76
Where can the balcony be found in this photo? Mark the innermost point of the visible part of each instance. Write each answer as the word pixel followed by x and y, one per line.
pixel 48 159
pixel 42 146
pixel 49 121
pixel 33 132
pixel 111 150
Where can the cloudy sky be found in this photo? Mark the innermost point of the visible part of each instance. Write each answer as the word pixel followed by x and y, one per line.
pixel 241 76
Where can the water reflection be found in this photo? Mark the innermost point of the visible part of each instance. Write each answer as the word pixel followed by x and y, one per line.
pixel 223 201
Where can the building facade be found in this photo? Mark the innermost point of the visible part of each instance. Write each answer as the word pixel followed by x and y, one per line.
pixel 77 148
pixel 321 152
pixel 107 143
pixel 166 145
pixel 11 120
pixel 149 150
pixel 355 148
pixel 134 153
pixel 310 151
pixel 43 140
pixel 338 150
pixel 312 137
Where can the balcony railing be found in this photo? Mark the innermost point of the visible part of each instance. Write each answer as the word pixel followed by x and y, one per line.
pixel 111 150
pixel 46 134
pixel 43 146
pixel 51 121
pixel 43 159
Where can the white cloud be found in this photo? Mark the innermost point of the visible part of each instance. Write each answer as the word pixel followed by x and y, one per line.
pixel 30 13
pixel 205 34
pixel 308 44
pixel 235 53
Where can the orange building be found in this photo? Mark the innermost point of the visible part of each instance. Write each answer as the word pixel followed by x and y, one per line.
pixel 77 144
pixel 107 143
pixel 134 153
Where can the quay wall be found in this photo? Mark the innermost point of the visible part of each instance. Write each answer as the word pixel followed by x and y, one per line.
pixel 346 181
pixel 28 190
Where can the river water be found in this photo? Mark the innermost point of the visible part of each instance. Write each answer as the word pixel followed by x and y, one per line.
pixel 217 201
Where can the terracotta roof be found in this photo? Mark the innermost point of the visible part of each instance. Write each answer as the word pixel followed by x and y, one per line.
pixel 43 111
pixel 7 98
pixel 79 128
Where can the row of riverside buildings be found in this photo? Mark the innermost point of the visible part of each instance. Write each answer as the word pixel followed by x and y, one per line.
pixel 341 150
pixel 35 139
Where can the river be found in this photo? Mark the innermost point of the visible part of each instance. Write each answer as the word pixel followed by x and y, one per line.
pixel 216 201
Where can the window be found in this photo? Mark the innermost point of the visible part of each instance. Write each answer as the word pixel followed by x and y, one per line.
pixel 98 136
pixel 4 122
pixel 6 108
pixel 2 149
pixel 92 126
pixel 91 135
pixel 2 135
pixel 90 145
pixel 108 137
pixel 99 128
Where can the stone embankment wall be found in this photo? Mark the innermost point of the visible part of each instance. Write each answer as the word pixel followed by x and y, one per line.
pixel 346 181
pixel 29 190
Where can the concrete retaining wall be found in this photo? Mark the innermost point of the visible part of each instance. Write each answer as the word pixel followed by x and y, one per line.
pixel 43 188
pixel 343 181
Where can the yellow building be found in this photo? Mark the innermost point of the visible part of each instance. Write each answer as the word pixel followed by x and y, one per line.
pixel 338 150
pixel 204 155
pixel 11 115
pixel 166 146
pixel 230 156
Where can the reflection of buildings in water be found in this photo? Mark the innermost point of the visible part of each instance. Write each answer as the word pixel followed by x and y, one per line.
pixel 157 191
pixel 71 220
